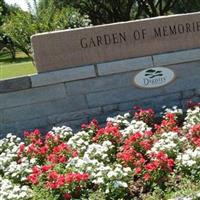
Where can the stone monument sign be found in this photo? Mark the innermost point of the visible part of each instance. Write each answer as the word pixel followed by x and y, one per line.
pixel 103 71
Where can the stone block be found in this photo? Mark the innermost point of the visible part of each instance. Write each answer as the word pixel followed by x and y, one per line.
pixel 187 77
pixel 15 84
pixel 177 57
pixel 30 125
pixel 61 76
pixel 30 96
pixel 73 115
pixel 186 69
pixel 124 65
pixel 188 94
pixel 169 100
pixel 183 84
pixel 7 128
pixel 197 92
pixel 128 106
pixel 155 103
pixel 1 117
pixel 121 95
pixel 110 108
pixel 100 84
pixel 32 111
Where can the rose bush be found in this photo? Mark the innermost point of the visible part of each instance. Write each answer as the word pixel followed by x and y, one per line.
pixel 131 157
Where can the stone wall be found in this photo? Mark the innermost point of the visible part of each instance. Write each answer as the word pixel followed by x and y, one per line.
pixel 76 95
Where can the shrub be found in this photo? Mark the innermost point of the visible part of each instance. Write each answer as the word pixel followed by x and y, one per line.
pixel 130 157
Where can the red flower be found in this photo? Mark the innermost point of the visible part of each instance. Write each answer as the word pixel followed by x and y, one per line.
pixel 110 132
pixel 145 144
pixel 46 168
pixel 52 158
pixel 21 149
pixel 147 177
pixel 76 177
pixel 55 180
pixel 67 196
pixel 161 155
pixel 74 153
pixel 69 178
pixel 138 170
pixel 194 135
pixel 152 166
pixel 33 178
pixel 48 136
pixel 145 115
pixel 43 150
pixel 62 159
pixel 170 163
pixel 26 133
pixel 53 175
pixel 36 170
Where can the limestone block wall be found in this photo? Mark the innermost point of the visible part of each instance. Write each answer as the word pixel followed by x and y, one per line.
pixel 76 95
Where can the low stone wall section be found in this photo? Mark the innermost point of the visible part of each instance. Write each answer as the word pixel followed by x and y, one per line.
pixel 76 95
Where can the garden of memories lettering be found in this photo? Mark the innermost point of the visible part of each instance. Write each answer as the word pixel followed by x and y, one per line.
pixel 110 42
pixel 142 34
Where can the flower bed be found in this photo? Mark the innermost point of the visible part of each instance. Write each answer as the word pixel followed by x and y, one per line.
pixel 133 157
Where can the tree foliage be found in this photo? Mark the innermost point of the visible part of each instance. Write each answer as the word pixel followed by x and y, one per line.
pixel 21 25
pixel 109 11
pixel 186 6
pixel 5 40
pixel 3 11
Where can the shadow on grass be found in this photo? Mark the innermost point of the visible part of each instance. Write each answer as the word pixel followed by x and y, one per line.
pixel 5 57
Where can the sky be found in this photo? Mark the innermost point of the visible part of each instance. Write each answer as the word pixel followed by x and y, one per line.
pixel 21 3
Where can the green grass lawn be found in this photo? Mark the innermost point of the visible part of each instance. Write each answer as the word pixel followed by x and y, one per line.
pixel 21 66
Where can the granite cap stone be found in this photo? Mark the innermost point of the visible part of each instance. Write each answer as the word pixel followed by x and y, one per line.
pixel 98 44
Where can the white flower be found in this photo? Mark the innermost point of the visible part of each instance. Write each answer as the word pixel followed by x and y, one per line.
pixel 111 174
pixel 98 181
pixel 79 141
pixel 192 118
pixel 119 120
pixel 134 127
pixel 120 184
pixel 169 142
pixel 64 132
pixel 189 158
pixel 9 191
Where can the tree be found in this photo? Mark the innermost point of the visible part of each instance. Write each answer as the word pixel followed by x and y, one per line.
pixel 102 11
pixel 109 11
pixel 21 25
pixel 5 41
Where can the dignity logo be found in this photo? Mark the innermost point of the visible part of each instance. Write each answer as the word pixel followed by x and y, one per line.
pixel 151 73
pixel 154 77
